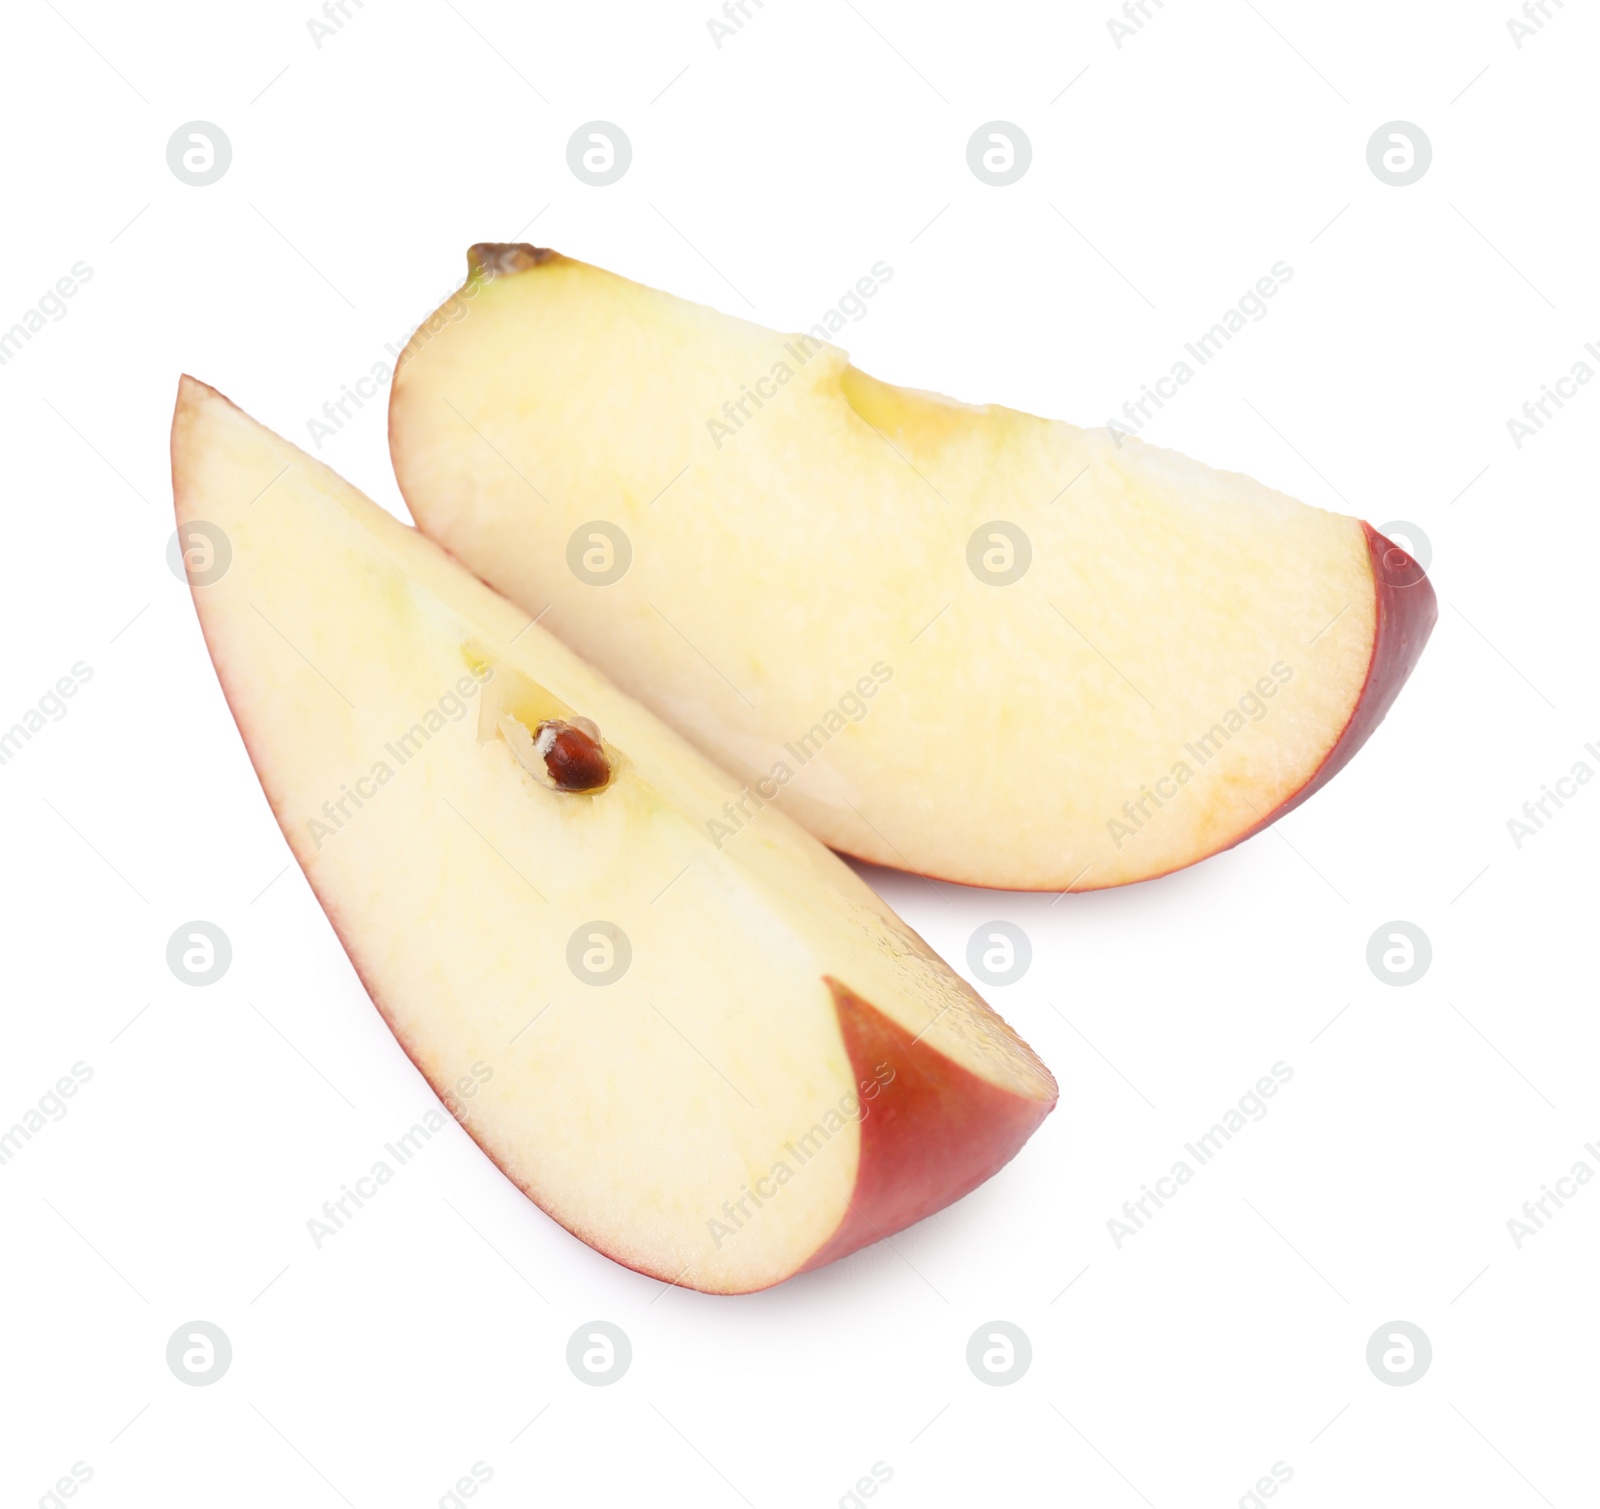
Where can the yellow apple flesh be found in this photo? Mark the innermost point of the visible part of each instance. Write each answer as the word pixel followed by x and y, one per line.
pixel 955 639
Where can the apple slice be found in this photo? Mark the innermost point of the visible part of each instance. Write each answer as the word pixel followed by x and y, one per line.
pixel 962 640
pixel 718 1063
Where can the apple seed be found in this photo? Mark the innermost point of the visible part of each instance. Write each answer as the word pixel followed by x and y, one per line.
pixel 572 754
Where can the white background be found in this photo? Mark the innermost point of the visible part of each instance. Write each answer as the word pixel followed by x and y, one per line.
pixel 768 175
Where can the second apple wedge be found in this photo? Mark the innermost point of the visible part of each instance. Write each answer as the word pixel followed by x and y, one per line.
pixel 718 1063
pixel 962 640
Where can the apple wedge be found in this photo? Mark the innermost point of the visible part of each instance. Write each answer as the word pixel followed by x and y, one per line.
pixel 719 1064
pixel 958 640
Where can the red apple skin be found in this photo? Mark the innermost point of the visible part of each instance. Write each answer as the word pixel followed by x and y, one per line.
pixel 931 1131
pixel 1406 613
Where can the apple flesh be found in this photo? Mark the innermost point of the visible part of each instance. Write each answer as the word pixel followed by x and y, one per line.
pixel 965 641
pixel 718 1063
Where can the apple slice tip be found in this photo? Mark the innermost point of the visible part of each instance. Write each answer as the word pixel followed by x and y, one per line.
pixel 931 1130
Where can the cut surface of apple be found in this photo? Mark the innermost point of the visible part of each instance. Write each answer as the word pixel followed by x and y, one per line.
pixel 717 1064
pixel 953 639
